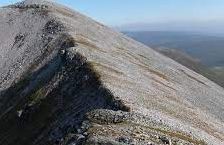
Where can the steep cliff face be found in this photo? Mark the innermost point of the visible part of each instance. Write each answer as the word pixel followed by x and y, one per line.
pixel 66 79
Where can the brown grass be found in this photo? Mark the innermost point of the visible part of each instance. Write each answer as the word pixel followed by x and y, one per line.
pixel 110 69
pixel 85 42
pixel 65 12
pixel 144 57
pixel 154 72
pixel 193 77
pixel 142 132
pixel 173 134
pixel 160 82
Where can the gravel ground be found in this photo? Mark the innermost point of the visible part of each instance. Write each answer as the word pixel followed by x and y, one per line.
pixel 48 52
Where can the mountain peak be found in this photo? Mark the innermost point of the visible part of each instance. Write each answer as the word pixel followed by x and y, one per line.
pixel 37 1
pixel 68 79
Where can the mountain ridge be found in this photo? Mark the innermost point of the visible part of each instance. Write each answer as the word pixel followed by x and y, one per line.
pixel 72 78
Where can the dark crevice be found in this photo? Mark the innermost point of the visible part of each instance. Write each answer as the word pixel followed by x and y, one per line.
pixel 19 40
pixel 53 27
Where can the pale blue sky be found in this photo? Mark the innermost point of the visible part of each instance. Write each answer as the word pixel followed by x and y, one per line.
pixel 119 12
pixel 116 12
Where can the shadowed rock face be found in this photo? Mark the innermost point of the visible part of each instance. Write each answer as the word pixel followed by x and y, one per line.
pixel 65 89
pixel 66 79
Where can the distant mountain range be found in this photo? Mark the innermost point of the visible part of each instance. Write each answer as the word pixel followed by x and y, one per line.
pixel 201 53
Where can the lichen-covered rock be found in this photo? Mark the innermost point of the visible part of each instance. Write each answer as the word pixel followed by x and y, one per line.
pixel 107 116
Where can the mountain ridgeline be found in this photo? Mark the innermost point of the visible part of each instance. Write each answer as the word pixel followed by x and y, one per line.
pixel 66 79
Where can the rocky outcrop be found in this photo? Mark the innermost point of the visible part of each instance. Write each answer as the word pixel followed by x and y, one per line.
pixel 66 79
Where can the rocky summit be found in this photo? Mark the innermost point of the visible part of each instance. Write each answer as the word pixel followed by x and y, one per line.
pixel 68 80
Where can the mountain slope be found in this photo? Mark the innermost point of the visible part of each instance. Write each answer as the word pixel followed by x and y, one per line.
pixel 67 79
pixel 215 75
pixel 197 45
pixel 189 49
